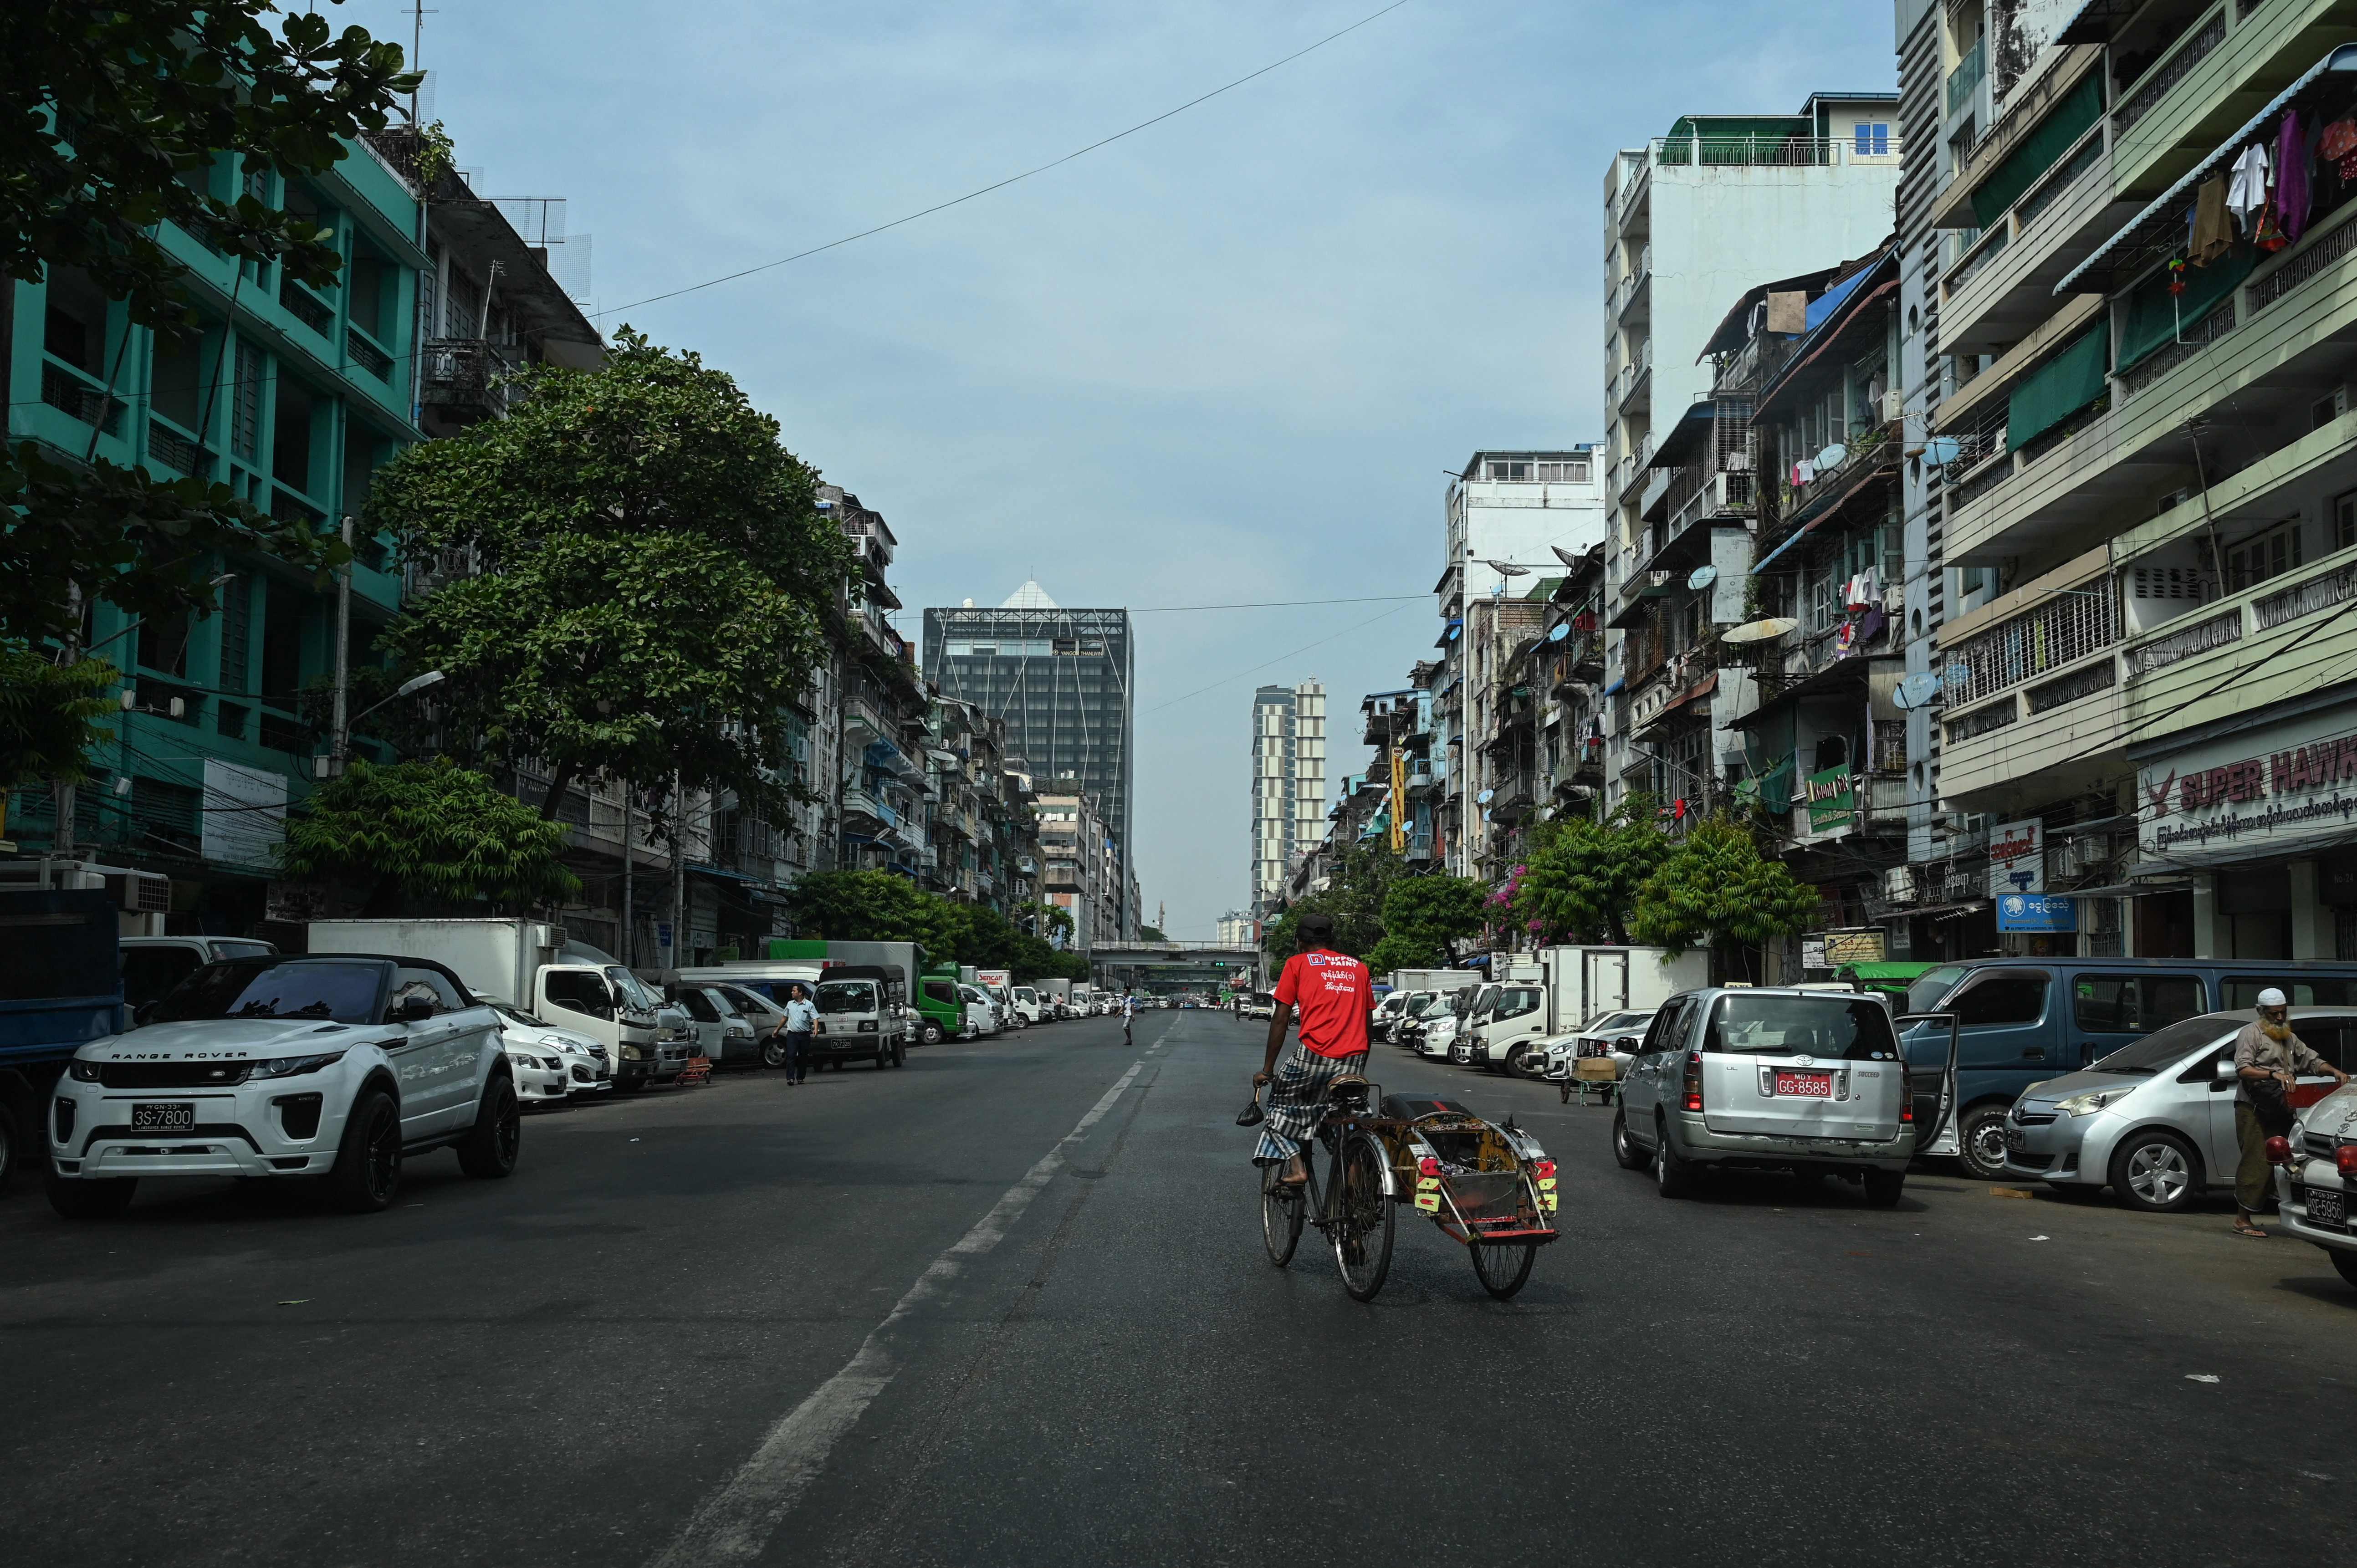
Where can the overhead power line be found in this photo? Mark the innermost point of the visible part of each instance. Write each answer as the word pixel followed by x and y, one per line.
pixel 1012 179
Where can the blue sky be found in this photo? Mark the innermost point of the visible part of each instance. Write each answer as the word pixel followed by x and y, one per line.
pixel 1227 359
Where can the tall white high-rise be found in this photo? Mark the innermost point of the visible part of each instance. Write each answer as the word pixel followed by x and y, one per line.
pixel 1288 790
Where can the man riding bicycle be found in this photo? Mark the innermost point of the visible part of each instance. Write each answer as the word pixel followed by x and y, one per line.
pixel 1335 996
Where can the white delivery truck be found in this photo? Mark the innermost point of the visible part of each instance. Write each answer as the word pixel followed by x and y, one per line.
pixel 1555 990
pixel 1435 979
pixel 532 965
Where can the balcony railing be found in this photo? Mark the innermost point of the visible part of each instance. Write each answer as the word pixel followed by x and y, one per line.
pixel 73 394
pixel 1772 152
pixel 469 374
pixel 2064 629
pixel 1965 79
pixel 2147 94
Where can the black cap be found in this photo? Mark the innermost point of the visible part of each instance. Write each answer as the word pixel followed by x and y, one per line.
pixel 1315 928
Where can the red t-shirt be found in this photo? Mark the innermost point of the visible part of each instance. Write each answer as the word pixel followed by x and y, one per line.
pixel 1335 997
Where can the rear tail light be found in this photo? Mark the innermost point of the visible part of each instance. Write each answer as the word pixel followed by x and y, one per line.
pixel 1692 1086
pixel 2344 1159
pixel 2278 1151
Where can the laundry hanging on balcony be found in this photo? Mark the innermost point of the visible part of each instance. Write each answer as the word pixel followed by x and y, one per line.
pixel 2155 318
pixel 2246 189
pixel 2213 231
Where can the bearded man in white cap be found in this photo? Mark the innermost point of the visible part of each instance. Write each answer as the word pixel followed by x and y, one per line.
pixel 2268 1059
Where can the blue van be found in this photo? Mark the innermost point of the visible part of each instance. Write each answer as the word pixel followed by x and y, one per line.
pixel 2022 1020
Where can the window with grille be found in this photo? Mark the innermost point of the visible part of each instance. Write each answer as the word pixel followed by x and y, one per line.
pixel 2344 519
pixel 1568 473
pixel 1507 468
pixel 1873 141
pixel 245 408
pixel 2069 627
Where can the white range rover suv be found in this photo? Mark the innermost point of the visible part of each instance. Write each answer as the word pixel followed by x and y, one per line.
pixel 334 1069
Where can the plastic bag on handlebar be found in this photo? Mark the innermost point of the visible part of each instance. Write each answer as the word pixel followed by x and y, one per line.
pixel 1251 1115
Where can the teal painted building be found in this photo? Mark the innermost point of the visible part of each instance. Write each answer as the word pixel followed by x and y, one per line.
pixel 292 397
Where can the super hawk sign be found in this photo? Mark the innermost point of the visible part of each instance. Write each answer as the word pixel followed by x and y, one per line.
pixel 2262 792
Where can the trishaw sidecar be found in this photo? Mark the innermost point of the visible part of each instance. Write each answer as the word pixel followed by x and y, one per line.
pixel 1485 1184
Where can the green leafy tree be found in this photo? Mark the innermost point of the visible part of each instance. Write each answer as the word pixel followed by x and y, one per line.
pixel 431 835
pixel 1580 877
pixel 146 102
pixel 1422 916
pixel 1354 897
pixel 880 906
pixel 1151 934
pixel 656 585
pixel 50 720
pixel 1715 891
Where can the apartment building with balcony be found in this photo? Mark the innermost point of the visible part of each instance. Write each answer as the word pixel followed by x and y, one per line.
pixel 984 829
pixel 290 396
pixel 1823 738
pixel 1691 219
pixel 1081 869
pixel 1512 518
pixel 2149 512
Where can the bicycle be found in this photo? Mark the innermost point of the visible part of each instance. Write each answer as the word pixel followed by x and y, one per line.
pixel 1354 1209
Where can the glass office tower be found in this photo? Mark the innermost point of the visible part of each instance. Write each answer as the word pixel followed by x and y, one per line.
pixel 1060 679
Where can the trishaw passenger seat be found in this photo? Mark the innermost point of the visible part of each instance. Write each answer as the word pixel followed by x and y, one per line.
pixel 1408 1107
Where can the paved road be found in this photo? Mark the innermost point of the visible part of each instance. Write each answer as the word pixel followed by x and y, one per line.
pixel 1009 1306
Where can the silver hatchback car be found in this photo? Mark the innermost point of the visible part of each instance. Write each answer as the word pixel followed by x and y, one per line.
pixel 1803 1080
pixel 2155 1120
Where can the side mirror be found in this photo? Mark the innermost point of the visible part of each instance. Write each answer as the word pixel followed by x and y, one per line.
pixel 2226 1071
pixel 413 1010
pixel 141 1014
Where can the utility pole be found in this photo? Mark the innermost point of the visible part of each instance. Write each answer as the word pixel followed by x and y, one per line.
pixel 678 865
pixel 341 742
pixel 629 930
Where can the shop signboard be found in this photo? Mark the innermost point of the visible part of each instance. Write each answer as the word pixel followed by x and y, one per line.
pixel 1812 954
pixel 1861 946
pixel 2280 789
pixel 2018 861
pixel 1833 799
pixel 2037 912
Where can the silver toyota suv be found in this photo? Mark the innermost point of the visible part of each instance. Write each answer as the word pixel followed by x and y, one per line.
pixel 1800 1081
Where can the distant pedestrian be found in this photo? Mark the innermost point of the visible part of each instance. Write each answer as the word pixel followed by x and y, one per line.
pixel 1128 1011
pixel 2268 1060
pixel 801 1019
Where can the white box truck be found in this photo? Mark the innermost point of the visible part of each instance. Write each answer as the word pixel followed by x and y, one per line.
pixel 532 965
pixel 1434 978
pixel 1555 990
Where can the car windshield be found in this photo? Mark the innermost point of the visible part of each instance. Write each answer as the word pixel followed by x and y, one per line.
pixel 243 950
pixel 2165 1048
pixel 1827 1027
pixel 699 1006
pixel 517 1016
pixel 266 988
pixel 846 996
pixel 1607 1022
pixel 634 993
pixel 1932 987
pixel 727 1008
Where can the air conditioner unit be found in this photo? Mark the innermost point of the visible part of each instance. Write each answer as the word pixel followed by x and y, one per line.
pixel 1898 884
pixel 1894 405
pixel 140 892
pixel 133 892
pixel 1894 600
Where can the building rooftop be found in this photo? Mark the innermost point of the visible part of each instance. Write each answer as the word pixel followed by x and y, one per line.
pixel 1030 597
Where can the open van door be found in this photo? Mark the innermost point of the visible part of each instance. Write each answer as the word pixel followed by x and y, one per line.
pixel 1934 1091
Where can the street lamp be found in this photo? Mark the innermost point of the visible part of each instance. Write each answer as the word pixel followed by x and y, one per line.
pixel 332 765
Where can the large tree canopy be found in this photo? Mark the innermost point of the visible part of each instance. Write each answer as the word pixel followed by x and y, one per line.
pixel 431 834
pixel 114 119
pixel 878 906
pixel 655 578
pixel 1715 890
pixel 1423 916
pixel 1580 877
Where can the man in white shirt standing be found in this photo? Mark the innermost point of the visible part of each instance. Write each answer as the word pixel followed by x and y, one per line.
pixel 1128 1011
pixel 801 1019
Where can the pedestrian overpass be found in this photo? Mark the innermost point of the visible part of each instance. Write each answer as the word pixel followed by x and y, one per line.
pixel 1156 967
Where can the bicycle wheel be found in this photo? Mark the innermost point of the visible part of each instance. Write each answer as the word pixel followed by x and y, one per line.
pixel 1361 1229
pixel 1280 1216
pixel 1503 1266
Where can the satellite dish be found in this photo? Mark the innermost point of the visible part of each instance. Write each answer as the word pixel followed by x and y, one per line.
pixel 1942 450
pixel 1766 630
pixel 1917 689
pixel 1507 568
pixel 1702 577
pixel 1483 798
pixel 1566 556
pixel 1831 455
pixel 1562 630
